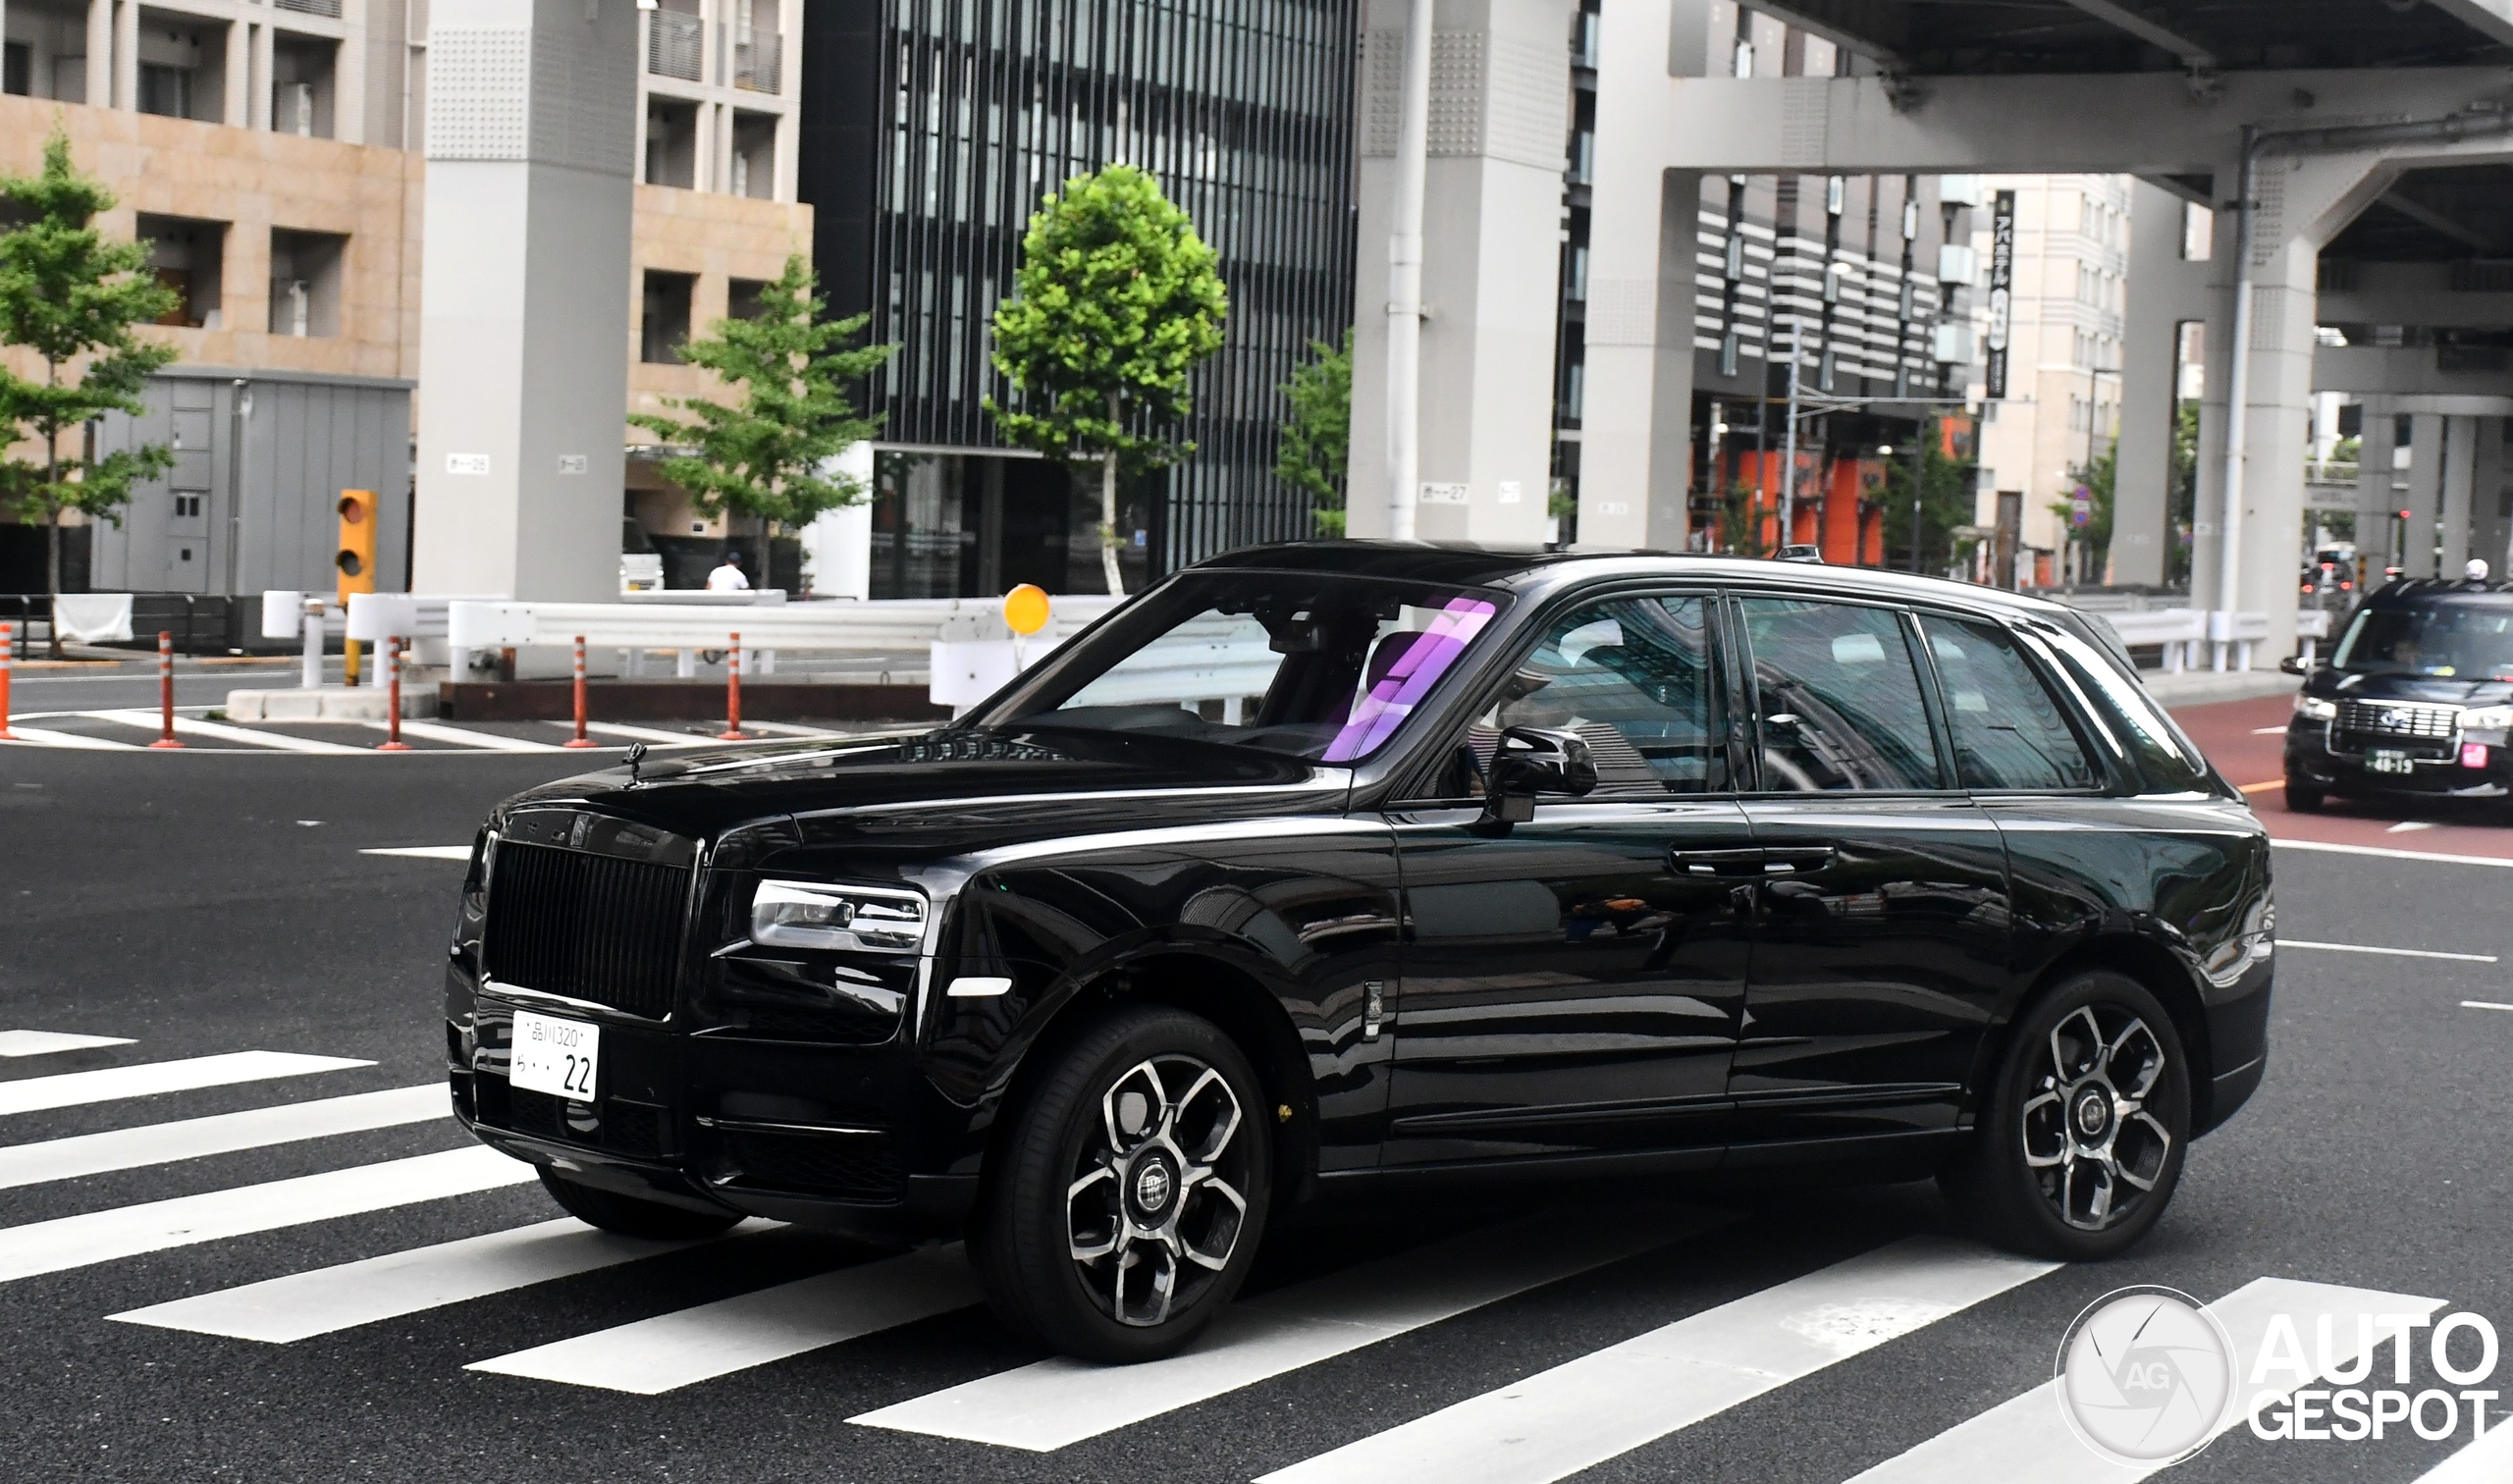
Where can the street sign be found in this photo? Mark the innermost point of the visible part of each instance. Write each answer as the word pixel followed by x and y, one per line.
pixel 2001 290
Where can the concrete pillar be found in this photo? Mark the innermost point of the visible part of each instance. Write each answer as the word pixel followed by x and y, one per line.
pixel 2491 497
pixel 1636 454
pixel 237 110
pixel 2165 291
pixel 348 86
pixel 2276 430
pixel 100 53
pixel 2460 473
pixel 127 55
pixel 2424 498
pixel 1491 223
pixel 524 297
pixel 265 52
pixel 2376 496
pixel 837 546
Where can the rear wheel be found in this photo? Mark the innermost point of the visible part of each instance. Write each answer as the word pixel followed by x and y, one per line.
pixel 2302 798
pixel 2083 1128
pixel 1125 1202
pixel 629 1216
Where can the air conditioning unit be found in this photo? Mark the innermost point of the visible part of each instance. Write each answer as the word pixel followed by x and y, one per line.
pixel 1951 343
pixel 1957 263
pixel 1962 190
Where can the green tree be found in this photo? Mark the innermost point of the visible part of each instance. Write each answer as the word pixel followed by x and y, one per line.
pixel 2186 492
pixel 73 298
pixel 1945 503
pixel 1117 300
pixel 2097 480
pixel 766 455
pixel 1318 438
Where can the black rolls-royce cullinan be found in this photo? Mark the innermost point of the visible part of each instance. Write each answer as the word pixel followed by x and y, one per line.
pixel 1325 864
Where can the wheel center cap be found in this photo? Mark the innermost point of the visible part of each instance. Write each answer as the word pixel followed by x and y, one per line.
pixel 2094 1113
pixel 1153 1185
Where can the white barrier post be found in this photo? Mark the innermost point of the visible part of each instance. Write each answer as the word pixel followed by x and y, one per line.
pixel 313 676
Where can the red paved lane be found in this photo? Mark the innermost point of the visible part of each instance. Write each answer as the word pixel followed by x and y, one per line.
pixel 2231 733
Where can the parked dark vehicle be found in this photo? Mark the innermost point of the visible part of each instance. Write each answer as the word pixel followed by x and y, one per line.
pixel 2415 697
pixel 1320 865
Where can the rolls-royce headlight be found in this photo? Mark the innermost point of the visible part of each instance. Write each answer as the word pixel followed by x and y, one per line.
pixel 2314 709
pixel 824 914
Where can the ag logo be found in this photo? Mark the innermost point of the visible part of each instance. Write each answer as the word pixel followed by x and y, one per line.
pixel 2146 1376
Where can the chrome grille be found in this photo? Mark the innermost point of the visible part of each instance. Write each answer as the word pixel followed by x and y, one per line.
pixel 588 927
pixel 2398 718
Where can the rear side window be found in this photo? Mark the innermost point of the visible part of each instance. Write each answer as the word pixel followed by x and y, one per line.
pixel 2008 729
pixel 1837 699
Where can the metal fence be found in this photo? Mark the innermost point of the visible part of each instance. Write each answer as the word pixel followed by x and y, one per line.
pixel 676 45
pixel 759 59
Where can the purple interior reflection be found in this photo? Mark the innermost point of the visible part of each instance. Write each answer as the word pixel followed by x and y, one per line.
pixel 1409 677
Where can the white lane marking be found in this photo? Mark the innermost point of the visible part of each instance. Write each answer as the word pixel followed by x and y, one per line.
pixel 37 736
pixel 2278 730
pixel 692 1344
pixel 789 729
pixel 324 1300
pixel 280 741
pixel 1605 1404
pixel 83 1154
pixel 2405 826
pixel 1061 1402
pixel 2390 855
pixel 459 736
pixel 2424 953
pixel 45 1042
pixel 2486 1460
pixel 68 1089
pixel 92 1236
pixel 423 852
pixel 639 733
pixel 2025 1436
pixel 2485 1005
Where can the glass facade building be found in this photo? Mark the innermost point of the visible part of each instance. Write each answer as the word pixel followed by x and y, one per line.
pixel 934 128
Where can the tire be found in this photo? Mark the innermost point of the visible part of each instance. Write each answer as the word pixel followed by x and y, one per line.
pixel 2302 798
pixel 632 1218
pixel 1124 1203
pixel 2082 1131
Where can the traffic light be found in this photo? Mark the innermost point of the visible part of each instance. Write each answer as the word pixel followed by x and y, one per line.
pixel 355 559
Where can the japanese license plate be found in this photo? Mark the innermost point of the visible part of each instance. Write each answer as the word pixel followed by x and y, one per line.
pixel 560 1057
pixel 2389 760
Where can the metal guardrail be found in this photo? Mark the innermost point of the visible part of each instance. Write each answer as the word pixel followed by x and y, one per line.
pixel 902 624
pixel 676 45
pixel 331 8
pixel 759 60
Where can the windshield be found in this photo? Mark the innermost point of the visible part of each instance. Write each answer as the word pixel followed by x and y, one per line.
pixel 1302 665
pixel 2464 640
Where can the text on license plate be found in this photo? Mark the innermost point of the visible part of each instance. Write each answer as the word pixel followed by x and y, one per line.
pixel 2389 760
pixel 556 1056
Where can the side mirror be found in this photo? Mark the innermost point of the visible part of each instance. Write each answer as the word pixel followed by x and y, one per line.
pixel 2295 665
pixel 1533 761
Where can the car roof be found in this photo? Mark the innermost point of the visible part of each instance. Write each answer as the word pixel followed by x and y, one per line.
pixel 2418 592
pixel 1534 570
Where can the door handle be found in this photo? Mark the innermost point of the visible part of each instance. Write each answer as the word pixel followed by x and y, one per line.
pixel 1745 862
pixel 1786 859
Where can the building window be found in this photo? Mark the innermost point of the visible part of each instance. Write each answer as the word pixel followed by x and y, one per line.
pixel 305 282
pixel 1743 62
pixel 1576 288
pixel 1826 370
pixel 1728 350
pixel 16 67
pixel 671 140
pixel 2198 228
pixel 301 86
pixel 1735 256
pixel 166 92
pixel 665 327
pixel 754 156
pixel 742 298
pixel 1575 385
pixel 188 256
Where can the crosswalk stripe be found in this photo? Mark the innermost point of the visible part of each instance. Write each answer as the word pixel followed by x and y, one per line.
pixel 461 736
pixel 92 1236
pixel 70 1089
pixel 422 852
pixel 302 1305
pixel 45 1042
pixel 45 736
pixel 83 1154
pixel 2026 1437
pixel 2486 1460
pixel 1056 1403
pixel 221 732
pixel 692 1344
pixel 1612 1400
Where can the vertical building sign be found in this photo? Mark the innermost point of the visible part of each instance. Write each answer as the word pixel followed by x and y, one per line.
pixel 2002 287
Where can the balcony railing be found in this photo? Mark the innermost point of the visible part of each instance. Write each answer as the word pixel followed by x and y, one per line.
pixel 675 44
pixel 331 8
pixel 759 58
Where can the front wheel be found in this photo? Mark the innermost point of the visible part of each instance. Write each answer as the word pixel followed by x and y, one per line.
pixel 2083 1126
pixel 1126 1198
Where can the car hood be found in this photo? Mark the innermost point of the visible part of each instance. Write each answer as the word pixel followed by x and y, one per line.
pixel 2445 689
pixel 958 789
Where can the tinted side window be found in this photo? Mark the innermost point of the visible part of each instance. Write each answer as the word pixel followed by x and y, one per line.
pixel 2008 731
pixel 1838 698
pixel 2133 726
pixel 1632 675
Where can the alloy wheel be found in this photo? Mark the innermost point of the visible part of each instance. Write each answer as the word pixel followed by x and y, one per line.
pixel 1154 1207
pixel 2091 1136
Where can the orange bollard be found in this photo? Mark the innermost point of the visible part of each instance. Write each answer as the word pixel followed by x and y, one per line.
pixel 8 653
pixel 392 699
pixel 580 739
pixel 732 731
pixel 166 689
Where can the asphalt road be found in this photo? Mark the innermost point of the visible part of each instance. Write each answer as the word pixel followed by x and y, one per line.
pixel 201 904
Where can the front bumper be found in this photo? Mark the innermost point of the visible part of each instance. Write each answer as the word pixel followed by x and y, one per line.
pixel 2319 759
